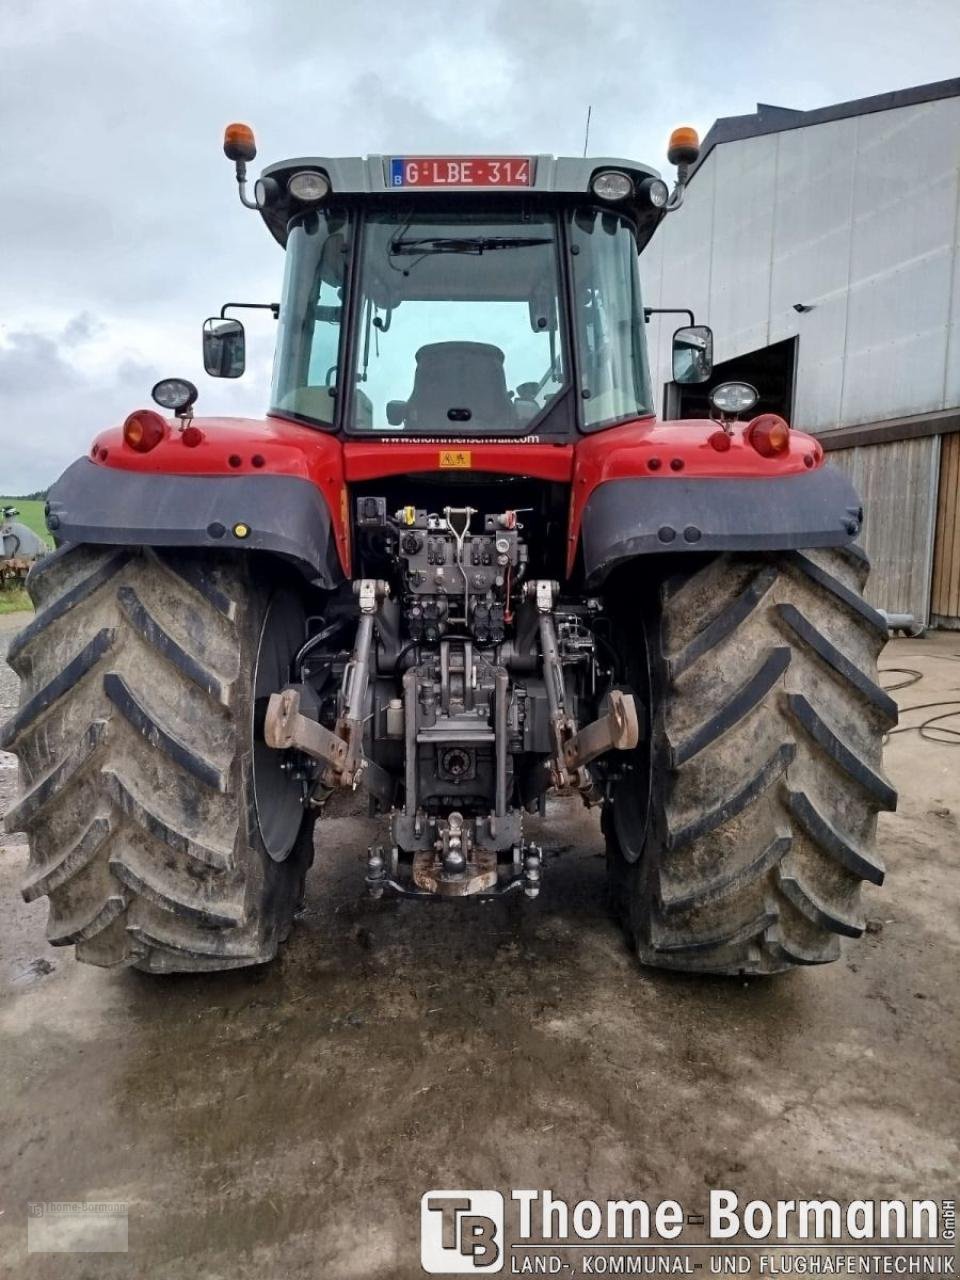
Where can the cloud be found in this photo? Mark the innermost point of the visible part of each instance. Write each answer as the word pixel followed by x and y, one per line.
pixel 120 229
pixel 43 395
pixel 30 362
pixel 81 329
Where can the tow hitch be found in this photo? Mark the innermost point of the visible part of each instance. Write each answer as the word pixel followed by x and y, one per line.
pixel 439 875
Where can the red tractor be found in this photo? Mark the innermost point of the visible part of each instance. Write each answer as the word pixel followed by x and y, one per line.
pixel 460 564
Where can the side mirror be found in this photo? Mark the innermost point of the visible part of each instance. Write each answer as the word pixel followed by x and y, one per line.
pixel 692 354
pixel 224 348
pixel 396 412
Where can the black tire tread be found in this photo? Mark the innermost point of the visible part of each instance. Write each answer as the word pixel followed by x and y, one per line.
pixel 58 687
pixel 134 759
pixel 150 630
pixel 744 700
pixel 768 773
pixel 50 609
pixel 161 736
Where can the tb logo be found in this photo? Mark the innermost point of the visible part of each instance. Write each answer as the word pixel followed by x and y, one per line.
pixel 461 1232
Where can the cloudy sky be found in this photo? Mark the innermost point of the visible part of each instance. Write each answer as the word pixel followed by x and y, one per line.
pixel 120 229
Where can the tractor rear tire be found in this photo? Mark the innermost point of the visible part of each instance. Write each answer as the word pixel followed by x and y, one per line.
pixel 162 835
pixel 740 831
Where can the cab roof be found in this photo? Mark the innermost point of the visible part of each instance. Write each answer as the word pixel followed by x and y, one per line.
pixel 377 176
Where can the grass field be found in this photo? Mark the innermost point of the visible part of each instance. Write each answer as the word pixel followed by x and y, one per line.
pixel 14 598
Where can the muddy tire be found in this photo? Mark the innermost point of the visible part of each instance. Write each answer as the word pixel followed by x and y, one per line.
pixel 739 834
pixel 157 842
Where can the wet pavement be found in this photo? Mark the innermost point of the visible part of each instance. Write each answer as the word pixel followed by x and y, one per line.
pixel 285 1121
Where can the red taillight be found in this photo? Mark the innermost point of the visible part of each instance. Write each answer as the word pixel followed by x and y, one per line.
pixel 144 430
pixel 769 434
pixel 191 437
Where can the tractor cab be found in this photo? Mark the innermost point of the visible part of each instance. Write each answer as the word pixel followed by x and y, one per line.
pixel 468 296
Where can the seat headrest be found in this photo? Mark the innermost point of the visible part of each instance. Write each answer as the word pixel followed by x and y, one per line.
pixel 445 350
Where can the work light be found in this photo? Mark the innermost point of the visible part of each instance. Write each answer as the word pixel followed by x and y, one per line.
pixel 612 185
pixel 308 186
pixel 176 394
pixel 654 191
pixel 266 191
pixel 733 397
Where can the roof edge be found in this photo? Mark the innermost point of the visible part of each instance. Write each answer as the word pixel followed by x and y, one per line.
pixel 772 119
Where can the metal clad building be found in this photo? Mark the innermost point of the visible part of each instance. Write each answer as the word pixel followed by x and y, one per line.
pixel 823 247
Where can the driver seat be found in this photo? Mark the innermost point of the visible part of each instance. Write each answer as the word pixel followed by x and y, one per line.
pixel 462 379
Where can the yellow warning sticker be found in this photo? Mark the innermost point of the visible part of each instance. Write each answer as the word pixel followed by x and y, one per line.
pixel 456 458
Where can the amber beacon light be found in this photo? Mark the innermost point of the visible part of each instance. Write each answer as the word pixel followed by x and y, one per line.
pixel 239 143
pixel 684 145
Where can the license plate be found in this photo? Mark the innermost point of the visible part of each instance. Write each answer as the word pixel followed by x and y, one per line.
pixel 461 171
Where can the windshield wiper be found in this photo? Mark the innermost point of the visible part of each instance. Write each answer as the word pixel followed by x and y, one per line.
pixel 464 244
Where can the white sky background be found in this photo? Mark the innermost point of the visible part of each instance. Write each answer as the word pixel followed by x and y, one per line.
pixel 120 228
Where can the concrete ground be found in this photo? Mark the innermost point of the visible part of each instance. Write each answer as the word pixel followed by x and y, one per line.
pixel 285 1122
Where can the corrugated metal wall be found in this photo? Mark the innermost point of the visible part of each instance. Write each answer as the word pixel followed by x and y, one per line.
pixel 855 218
pixel 945 602
pixel 898 485
pixel 858 219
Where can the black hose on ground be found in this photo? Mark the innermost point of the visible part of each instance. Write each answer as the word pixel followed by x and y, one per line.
pixel 930 728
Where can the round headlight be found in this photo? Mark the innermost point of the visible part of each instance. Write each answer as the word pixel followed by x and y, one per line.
pixel 309 186
pixel 611 185
pixel 266 191
pixel 733 397
pixel 174 393
pixel 654 191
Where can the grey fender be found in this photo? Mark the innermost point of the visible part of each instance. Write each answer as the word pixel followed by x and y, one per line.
pixel 632 517
pixel 285 515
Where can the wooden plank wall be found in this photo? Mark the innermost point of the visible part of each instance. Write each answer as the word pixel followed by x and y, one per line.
pixel 898 485
pixel 945 594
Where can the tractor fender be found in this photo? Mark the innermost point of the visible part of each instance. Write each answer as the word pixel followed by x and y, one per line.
pixel 626 518
pixel 285 515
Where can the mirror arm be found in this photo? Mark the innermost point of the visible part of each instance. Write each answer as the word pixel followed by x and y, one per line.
pixel 251 306
pixel 668 311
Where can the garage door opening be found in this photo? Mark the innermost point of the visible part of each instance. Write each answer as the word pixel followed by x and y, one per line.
pixel 772 370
